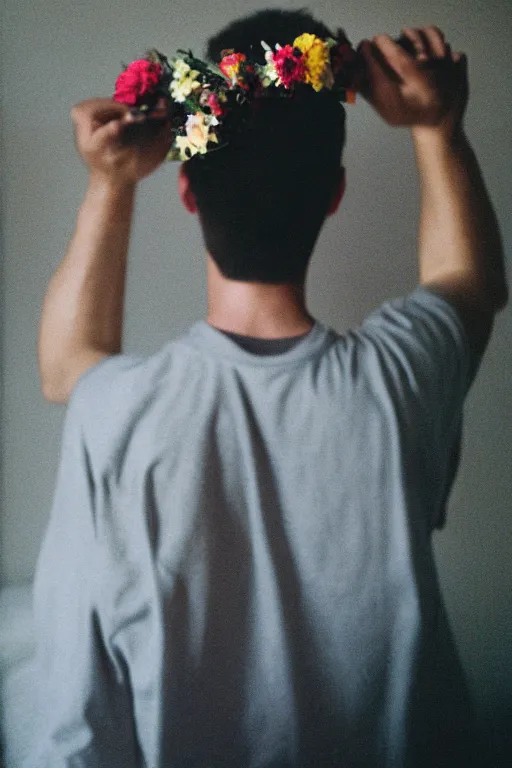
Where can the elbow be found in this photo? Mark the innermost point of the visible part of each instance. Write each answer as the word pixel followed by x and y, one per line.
pixel 53 381
pixel 53 372
pixel 59 375
pixel 54 391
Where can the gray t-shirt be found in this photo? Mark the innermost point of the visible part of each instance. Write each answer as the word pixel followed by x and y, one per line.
pixel 265 346
pixel 238 569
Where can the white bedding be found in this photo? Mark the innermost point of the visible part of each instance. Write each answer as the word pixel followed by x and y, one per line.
pixel 17 647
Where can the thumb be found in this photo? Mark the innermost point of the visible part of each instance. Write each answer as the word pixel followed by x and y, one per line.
pixel 378 81
pixel 97 111
pixel 110 131
pixel 367 73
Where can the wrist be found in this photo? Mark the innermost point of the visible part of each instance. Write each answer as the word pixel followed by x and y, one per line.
pixel 428 138
pixel 111 185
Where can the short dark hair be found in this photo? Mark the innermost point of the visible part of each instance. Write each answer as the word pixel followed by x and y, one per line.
pixel 262 200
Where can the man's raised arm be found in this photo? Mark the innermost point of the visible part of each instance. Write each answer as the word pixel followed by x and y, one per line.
pixel 81 321
pixel 460 251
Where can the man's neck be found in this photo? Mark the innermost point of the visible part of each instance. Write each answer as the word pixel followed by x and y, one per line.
pixel 259 310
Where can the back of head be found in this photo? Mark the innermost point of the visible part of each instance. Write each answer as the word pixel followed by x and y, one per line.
pixel 263 198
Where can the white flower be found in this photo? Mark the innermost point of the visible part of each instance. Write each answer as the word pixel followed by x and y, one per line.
pixel 180 67
pixel 185 148
pixel 268 73
pixel 199 133
pixel 198 130
pixel 183 81
pixel 180 89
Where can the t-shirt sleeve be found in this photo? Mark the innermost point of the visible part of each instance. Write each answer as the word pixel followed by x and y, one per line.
pixel 423 348
pixel 84 699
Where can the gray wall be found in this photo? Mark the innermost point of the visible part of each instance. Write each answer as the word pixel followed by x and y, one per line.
pixel 56 53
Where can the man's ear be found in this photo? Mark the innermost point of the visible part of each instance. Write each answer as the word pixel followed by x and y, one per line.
pixel 186 194
pixel 339 191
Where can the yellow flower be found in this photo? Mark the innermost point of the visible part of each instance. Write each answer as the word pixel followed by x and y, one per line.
pixel 198 130
pixel 199 133
pixel 317 61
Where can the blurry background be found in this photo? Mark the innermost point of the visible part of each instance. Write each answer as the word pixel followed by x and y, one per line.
pixel 56 53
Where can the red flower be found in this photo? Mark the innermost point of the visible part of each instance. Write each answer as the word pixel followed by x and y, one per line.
pixel 289 65
pixel 138 80
pixel 214 104
pixel 231 64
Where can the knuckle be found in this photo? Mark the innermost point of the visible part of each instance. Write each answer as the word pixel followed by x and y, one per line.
pixel 78 111
pixel 434 33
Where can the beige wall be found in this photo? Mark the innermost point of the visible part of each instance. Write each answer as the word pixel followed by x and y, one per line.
pixel 56 53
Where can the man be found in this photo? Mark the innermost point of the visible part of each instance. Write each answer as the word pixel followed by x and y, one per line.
pixel 238 569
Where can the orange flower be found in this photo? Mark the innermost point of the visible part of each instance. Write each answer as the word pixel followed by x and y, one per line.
pixel 230 66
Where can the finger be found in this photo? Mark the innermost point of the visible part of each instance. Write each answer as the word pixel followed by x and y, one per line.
pixel 374 73
pixel 463 63
pixel 109 132
pixel 376 62
pixel 363 79
pixel 395 57
pixel 417 40
pixel 98 110
pixel 379 83
pixel 435 39
pixel 147 132
pixel 460 61
pixel 159 112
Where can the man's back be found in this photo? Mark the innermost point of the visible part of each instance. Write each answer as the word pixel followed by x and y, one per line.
pixel 260 526
pixel 238 570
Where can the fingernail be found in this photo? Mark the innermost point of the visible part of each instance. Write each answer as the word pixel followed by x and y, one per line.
pixel 136 114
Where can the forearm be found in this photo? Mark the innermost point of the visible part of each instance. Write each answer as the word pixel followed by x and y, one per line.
pixel 459 239
pixel 83 306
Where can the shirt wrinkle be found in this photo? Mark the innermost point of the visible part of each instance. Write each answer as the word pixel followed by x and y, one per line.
pixel 267 589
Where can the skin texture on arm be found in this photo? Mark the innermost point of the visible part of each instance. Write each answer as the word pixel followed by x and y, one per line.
pixel 81 320
pixel 458 231
pixel 459 245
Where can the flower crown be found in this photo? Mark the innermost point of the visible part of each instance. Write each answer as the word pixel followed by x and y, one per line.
pixel 198 95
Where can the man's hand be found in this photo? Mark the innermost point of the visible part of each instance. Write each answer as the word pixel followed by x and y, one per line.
pixel 429 89
pixel 459 246
pixel 116 146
